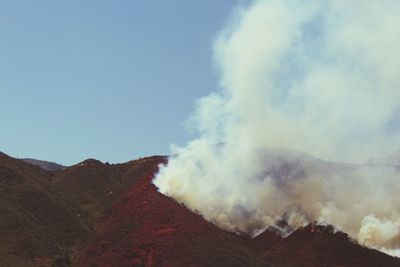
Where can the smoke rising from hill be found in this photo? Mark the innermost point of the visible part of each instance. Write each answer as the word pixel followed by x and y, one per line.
pixel 322 78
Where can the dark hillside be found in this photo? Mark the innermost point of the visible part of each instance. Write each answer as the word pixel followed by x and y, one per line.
pixel 317 245
pixel 146 228
pixel 100 214
pixel 37 223
pixel 45 165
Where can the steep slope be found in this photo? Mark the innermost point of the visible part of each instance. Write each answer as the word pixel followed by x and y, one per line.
pixel 36 222
pixel 44 214
pixel 94 185
pixel 96 214
pixel 317 245
pixel 146 228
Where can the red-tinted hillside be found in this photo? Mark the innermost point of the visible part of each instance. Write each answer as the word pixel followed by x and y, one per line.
pixel 95 186
pixel 96 214
pixel 316 245
pixel 146 228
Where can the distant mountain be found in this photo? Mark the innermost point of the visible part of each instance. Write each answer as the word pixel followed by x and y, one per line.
pixel 46 165
pixel 96 214
pixel 393 159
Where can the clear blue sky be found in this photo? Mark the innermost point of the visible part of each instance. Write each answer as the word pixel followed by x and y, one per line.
pixel 113 80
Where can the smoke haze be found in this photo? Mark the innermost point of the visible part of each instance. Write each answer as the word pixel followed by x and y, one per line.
pixel 303 86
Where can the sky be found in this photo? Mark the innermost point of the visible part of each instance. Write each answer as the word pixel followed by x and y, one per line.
pixel 309 93
pixel 111 80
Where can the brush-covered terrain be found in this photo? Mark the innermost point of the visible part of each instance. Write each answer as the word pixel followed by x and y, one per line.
pixel 111 215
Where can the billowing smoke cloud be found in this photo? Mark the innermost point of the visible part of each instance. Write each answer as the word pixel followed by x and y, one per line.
pixel 300 80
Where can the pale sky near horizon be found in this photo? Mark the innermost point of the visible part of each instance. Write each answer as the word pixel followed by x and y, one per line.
pixel 112 80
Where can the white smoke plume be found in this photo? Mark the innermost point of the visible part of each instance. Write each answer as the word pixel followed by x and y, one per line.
pixel 320 77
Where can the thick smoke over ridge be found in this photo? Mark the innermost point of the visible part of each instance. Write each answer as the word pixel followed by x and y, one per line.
pixel 320 78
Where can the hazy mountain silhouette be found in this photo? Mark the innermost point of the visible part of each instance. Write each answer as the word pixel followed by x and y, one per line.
pixel 46 165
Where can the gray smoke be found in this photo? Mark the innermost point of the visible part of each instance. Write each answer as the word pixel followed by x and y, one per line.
pixel 320 77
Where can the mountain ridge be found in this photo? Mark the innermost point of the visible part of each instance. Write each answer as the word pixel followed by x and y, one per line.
pixel 99 214
pixel 46 165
